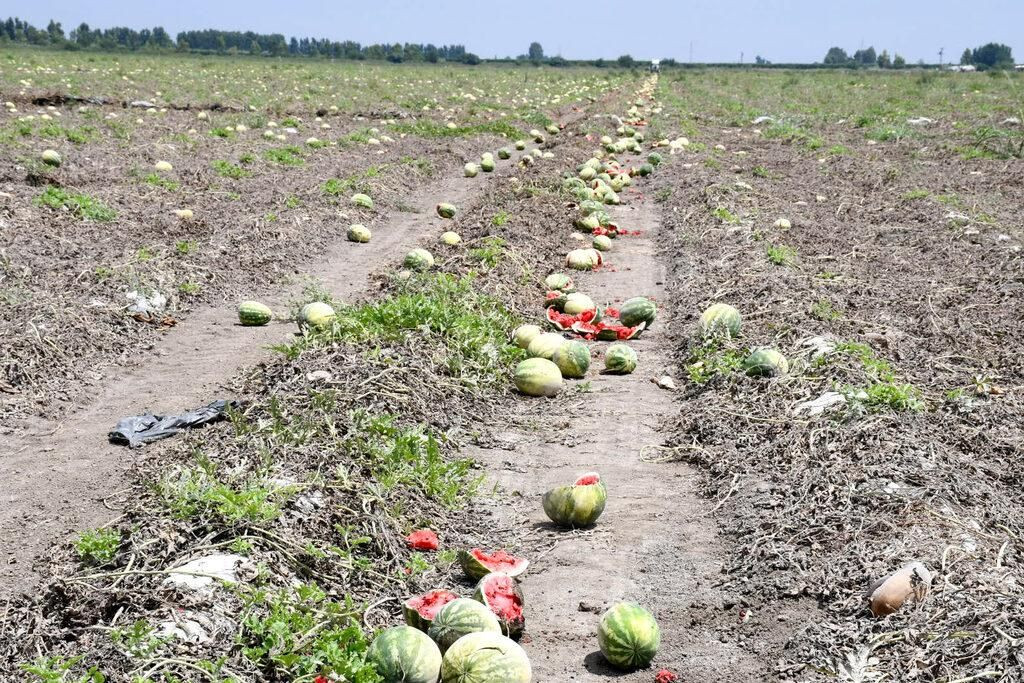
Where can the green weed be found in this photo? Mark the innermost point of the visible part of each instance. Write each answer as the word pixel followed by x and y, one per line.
pixel 781 255
pixel 97 546
pixel 80 205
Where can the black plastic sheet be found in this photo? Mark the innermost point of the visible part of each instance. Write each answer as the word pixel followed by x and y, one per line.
pixel 139 430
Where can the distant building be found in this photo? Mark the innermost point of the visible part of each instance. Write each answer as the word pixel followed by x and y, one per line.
pixel 1018 67
pixel 655 65
pixel 961 67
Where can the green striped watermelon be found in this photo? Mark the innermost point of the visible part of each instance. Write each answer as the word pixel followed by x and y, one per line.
pixel 419 259
pixel 538 376
pixel 766 363
pixel 720 320
pixel 637 310
pixel 572 359
pixel 628 636
pixel 485 658
pixel 578 505
pixel 254 314
pixel 503 596
pixel 620 359
pixel 403 654
pixel 459 617
pixel 446 210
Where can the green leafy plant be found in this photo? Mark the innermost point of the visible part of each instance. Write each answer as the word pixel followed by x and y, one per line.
pixel 97 546
pixel 781 255
pixel 80 205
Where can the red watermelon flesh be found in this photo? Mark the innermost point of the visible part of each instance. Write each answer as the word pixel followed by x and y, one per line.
pixel 498 562
pixel 506 601
pixel 564 321
pixel 588 480
pixel 429 604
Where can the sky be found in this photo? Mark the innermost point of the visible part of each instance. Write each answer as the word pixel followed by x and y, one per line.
pixel 718 30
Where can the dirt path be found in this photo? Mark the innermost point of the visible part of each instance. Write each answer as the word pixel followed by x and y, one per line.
pixel 63 481
pixel 656 542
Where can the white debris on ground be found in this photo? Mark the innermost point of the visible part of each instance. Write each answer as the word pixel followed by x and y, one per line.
pixel 818 347
pixel 825 402
pixel 201 573
pixel 140 303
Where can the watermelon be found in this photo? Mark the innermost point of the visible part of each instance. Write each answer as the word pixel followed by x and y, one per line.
pixel 606 331
pixel 559 282
pixel 620 359
pixel 583 259
pixel 419 611
pixel 589 207
pixel 577 302
pixel 524 334
pixel 766 363
pixel 602 243
pixel 51 157
pixel 538 377
pixel 316 315
pixel 163 166
pixel 720 320
pixel 450 238
pixel 459 617
pixel 637 310
pixel 544 345
pixel 485 658
pixel 503 596
pixel 445 210
pixel 504 153
pixel 362 200
pixel 403 654
pixel 646 170
pixel 470 170
pixel 578 505
pixel 588 173
pixel 487 164
pixel 628 636
pixel 477 564
pixel 654 158
pixel 359 233
pixel 564 322
pixel 419 259
pixel 572 359
pixel 555 300
pixel 254 314
pixel 551 128
pixel 520 145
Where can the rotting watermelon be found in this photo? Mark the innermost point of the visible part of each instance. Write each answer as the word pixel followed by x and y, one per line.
pixel 605 331
pixel 477 564
pixel 503 596
pixel 578 505
pixel 419 611
pixel 564 322
pixel 555 300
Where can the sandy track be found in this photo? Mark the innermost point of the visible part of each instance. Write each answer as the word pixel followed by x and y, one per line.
pixel 656 542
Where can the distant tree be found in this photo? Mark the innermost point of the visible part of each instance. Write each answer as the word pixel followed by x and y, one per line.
pixel 883 61
pixel 430 54
pixel 536 52
pixel 759 60
pixel 669 61
pixel 836 56
pixel 992 56
pixel 55 32
pixel 865 57
pixel 600 63
pixel 966 57
pixel 558 60
pixel 183 45
pixel 471 59
pixel 254 48
pixel 82 35
pixel 898 62
pixel 626 61
pixel 160 37
pixel 222 45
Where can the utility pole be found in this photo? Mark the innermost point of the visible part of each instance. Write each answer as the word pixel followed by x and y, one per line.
pixel 941 50
pixel 741 57
pixel 691 52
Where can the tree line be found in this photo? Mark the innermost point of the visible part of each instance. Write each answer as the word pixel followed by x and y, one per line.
pixel 988 56
pixel 15 30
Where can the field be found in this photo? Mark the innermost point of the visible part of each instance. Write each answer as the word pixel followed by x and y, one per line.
pixel 864 224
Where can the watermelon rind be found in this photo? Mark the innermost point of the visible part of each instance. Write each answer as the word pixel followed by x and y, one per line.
pixel 403 654
pixel 510 626
pixel 766 362
pixel 620 359
pixel 419 259
pixel 461 617
pixel 628 636
pixel 475 569
pixel 316 315
pixel 411 613
pixel 485 658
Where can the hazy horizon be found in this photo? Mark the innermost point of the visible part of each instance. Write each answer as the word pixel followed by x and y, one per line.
pixel 782 31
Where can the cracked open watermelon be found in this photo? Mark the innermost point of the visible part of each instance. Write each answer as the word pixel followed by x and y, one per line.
pixel 578 505
pixel 503 596
pixel 419 611
pixel 607 331
pixel 564 321
pixel 477 564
